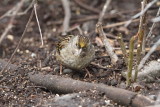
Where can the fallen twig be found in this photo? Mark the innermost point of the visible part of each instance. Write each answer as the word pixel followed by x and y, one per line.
pixel 149 73
pixel 157 19
pixel 99 66
pixel 108 47
pixel 119 52
pixel 157 105
pixel 104 11
pixel 88 7
pixel 141 13
pixel 153 48
pixel 19 42
pixel 68 85
pixel 10 25
pixel 158 100
pixel 67 10
pixel 153 25
pixel 87 18
pixel 10 13
pixel 118 24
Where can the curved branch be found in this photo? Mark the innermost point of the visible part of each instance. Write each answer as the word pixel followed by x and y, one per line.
pixel 68 85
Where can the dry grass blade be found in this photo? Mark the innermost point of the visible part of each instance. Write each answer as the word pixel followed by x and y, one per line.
pixel 10 25
pixel 35 11
pixel 18 42
pixel 141 13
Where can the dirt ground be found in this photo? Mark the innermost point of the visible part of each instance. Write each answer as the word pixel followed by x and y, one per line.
pixel 15 87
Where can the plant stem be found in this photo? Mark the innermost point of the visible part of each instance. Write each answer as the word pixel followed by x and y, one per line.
pixel 130 61
pixel 141 38
pixel 122 45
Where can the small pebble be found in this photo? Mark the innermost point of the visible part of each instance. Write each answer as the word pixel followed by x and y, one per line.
pixel 94 70
pixel 108 102
pixel 137 87
pixel 10 37
pixel 56 69
pixel 153 97
pixel 33 55
pixel 114 82
pixel 122 85
pixel 27 51
pixel 66 71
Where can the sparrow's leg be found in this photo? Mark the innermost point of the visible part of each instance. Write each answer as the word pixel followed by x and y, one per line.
pixel 87 73
pixel 60 69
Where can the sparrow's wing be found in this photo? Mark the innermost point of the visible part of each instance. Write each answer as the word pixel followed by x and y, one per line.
pixel 64 42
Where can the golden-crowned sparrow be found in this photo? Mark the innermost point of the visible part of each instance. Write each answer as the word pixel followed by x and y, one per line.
pixel 75 52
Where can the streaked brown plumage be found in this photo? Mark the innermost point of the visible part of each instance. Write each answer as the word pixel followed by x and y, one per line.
pixel 75 52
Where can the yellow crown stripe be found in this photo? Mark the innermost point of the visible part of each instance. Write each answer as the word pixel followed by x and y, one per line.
pixel 83 41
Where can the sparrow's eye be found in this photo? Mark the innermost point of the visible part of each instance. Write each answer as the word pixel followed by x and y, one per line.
pixel 78 45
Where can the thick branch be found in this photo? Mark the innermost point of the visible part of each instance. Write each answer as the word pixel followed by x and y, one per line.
pixel 68 85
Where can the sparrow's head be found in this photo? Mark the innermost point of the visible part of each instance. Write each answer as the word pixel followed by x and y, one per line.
pixel 82 42
pixel 82 45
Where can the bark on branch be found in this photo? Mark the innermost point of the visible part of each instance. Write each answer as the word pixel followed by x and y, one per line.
pixel 68 85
